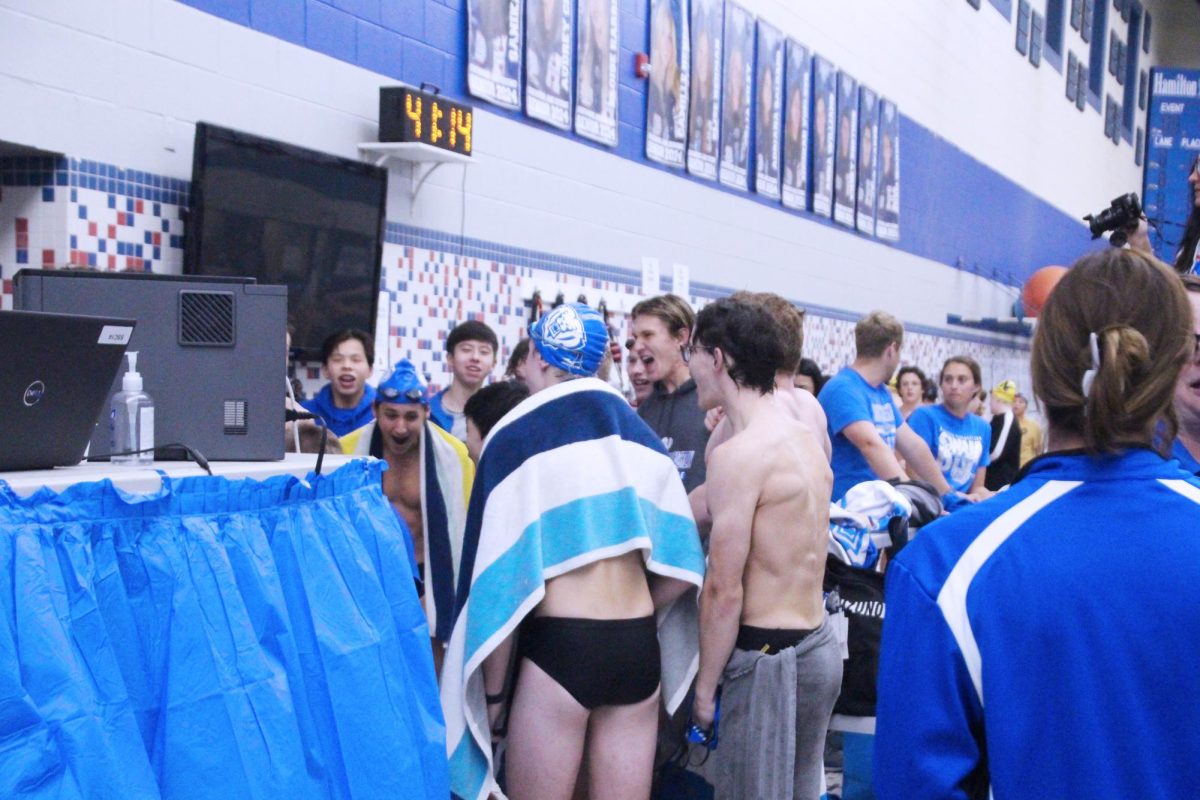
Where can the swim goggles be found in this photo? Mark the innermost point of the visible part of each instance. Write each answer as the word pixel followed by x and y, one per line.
pixel 706 738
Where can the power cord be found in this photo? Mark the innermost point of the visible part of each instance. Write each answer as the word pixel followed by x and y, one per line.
pixel 290 415
pixel 194 454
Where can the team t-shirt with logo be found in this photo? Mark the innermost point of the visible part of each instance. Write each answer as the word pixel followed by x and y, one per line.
pixel 961 446
pixel 847 398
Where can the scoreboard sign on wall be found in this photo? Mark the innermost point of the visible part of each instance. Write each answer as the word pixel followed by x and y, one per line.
pixel 1171 149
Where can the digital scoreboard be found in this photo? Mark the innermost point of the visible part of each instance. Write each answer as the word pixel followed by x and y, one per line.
pixel 410 115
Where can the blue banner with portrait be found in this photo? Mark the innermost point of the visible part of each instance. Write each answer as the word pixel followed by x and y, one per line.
pixel 667 95
pixel 494 51
pixel 596 77
pixel 846 161
pixel 736 94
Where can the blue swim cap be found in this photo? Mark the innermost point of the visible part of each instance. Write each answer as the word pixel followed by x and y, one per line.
pixel 403 385
pixel 572 337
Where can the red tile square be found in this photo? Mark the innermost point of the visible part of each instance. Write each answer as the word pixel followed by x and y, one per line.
pixel 22 241
pixel 7 287
pixel 47 258
pixel 22 225
pixel 91 229
pixel 112 262
pixel 112 231
pixel 138 206
pixel 157 238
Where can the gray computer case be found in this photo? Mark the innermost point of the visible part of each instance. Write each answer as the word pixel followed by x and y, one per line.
pixel 212 352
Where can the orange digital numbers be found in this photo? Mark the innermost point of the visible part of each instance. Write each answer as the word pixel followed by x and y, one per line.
pixel 412 110
pixel 435 115
pixel 460 125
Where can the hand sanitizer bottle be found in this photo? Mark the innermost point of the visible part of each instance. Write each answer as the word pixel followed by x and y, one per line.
pixel 132 420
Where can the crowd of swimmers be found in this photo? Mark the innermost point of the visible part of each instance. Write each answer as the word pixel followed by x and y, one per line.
pixel 610 573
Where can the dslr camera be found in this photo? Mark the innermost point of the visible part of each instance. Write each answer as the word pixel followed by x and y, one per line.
pixel 1123 214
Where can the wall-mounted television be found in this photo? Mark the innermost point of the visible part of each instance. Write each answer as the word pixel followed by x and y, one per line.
pixel 289 216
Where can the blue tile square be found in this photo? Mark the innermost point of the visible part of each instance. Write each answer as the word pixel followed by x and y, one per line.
pixel 102 245
pixel 91 259
pixel 379 50
pixel 403 16
pixel 22 256
pixel 329 30
pixel 166 226
pixel 83 212
pixel 423 63
pixel 75 195
pixel 157 254
pixel 445 29
pixel 47 194
pixel 60 178
pixel 158 208
pixel 74 242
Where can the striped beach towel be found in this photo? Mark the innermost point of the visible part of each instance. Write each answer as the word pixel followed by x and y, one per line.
pixel 570 477
pixel 446 477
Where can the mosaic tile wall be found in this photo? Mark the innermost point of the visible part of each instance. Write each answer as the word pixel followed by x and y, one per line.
pixel 68 212
pixel 59 212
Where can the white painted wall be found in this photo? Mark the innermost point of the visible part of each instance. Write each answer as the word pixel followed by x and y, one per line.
pixel 124 81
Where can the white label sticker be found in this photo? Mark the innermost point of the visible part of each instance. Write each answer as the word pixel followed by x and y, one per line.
pixel 146 430
pixel 115 334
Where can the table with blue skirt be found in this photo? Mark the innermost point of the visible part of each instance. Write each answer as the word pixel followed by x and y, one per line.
pixel 214 637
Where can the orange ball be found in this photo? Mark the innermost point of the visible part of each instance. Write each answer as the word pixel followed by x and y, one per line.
pixel 1038 288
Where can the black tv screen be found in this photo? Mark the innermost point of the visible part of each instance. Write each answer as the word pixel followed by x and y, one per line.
pixel 289 216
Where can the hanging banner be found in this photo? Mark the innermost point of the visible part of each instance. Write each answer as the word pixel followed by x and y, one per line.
pixel 548 32
pixel 667 96
pixel 704 118
pixel 596 87
pixel 737 89
pixel 868 119
pixel 824 125
pixel 795 126
pixel 494 65
pixel 768 127
pixel 846 161
pixel 887 203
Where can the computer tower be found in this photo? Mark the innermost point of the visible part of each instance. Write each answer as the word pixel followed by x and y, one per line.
pixel 212 353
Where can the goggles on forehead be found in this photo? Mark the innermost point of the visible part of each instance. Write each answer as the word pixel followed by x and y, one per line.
pixel 394 395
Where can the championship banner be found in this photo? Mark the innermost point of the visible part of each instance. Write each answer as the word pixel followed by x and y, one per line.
pixel 846 161
pixel 704 117
pixel 596 81
pixel 768 127
pixel 736 92
pixel 887 202
pixel 667 97
pixel 824 125
pixel 494 62
pixel 868 119
pixel 795 126
pixel 548 34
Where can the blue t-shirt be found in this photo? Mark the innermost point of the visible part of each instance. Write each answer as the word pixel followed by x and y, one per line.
pixel 1185 458
pixel 961 446
pixel 847 398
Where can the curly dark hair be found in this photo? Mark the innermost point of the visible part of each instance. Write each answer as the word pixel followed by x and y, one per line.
pixel 750 338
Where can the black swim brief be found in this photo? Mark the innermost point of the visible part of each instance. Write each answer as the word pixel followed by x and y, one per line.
pixel 600 662
pixel 770 640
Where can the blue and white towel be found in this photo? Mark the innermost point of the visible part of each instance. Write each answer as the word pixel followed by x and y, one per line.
pixel 446 477
pixel 569 477
pixel 858 523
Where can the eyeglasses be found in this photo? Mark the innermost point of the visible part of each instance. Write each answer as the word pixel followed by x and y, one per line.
pixel 392 395
pixel 688 350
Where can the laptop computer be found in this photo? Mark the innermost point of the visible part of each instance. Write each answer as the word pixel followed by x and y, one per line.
pixel 55 374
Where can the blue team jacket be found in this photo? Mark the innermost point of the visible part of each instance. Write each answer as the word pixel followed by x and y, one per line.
pixel 1045 643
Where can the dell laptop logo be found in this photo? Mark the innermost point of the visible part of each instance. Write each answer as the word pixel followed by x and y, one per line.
pixel 34 392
